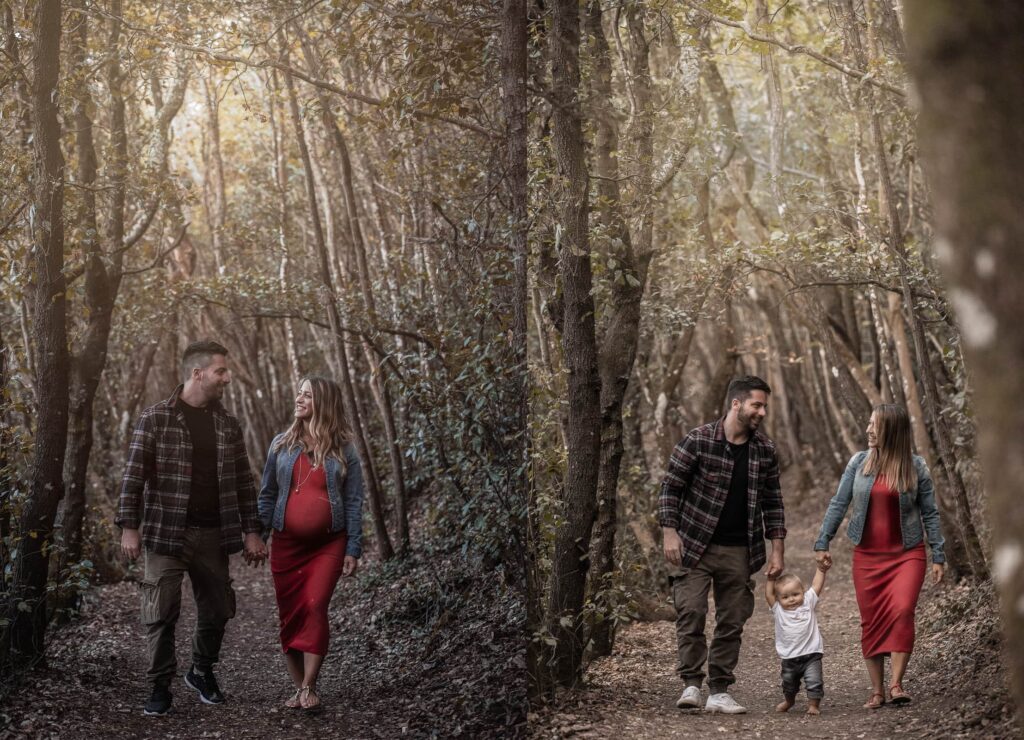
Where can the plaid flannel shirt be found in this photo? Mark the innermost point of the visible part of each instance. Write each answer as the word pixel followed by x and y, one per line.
pixel 158 479
pixel 696 485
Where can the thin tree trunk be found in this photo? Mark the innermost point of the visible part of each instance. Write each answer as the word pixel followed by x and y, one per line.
pixel 515 108
pixel 49 332
pixel 334 320
pixel 570 561
pixel 283 224
pixel 964 517
pixel 619 338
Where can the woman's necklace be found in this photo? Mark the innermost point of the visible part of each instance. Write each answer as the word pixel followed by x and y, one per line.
pixel 309 472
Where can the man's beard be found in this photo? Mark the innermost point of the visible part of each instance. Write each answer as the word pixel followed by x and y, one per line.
pixel 750 422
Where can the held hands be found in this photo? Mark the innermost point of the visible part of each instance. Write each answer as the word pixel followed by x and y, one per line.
pixel 254 550
pixel 824 558
pixel 775 565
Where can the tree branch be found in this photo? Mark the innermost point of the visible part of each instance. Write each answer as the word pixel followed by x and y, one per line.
pixel 857 74
pixel 12 218
pixel 159 257
pixel 299 74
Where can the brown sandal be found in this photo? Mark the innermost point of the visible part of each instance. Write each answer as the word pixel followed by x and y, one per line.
pixel 309 699
pixel 902 697
pixel 877 700
pixel 295 701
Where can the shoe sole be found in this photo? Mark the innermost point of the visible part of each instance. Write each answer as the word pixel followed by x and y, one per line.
pixel 148 713
pixel 202 698
pixel 716 710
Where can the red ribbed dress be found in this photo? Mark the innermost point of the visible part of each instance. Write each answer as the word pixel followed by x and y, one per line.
pixel 306 560
pixel 886 578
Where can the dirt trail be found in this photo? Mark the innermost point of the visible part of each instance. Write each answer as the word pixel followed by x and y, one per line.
pixel 632 693
pixel 95 682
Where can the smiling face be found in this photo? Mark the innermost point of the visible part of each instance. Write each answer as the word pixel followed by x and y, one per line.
pixel 790 593
pixel 872 431
pixel 750 412
pixel 213 378
pixel 304 402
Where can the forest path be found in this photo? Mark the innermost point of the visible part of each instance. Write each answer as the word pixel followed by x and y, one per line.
pixel 95 685
pixel 632 693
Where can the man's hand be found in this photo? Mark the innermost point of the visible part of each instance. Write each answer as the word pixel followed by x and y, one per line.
pixel 131 544
pixel 775 562
pixel 824 559
pixel 350 566
pixel 254 550
pixel 673 546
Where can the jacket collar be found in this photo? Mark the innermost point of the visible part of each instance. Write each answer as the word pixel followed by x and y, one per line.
pixel 719 433
pixel 175 398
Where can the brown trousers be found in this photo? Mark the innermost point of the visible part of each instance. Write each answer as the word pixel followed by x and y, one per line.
pixel 207 567
pixel 724 569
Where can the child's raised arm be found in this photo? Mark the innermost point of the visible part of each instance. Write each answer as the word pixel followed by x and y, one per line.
pixel 769 592
pixel 819 579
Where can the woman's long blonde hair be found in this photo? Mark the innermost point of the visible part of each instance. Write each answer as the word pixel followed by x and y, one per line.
pixel 893 455
pixel 326 429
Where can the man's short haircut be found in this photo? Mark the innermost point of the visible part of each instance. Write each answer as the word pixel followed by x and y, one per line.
pixel 741 388
pixel 200 354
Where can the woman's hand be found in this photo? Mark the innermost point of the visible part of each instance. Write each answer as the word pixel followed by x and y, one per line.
pixel 824 558
pixel 350 566
pixel 938 570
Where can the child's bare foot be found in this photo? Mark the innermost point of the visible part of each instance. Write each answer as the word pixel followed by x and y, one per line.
pixel 784 705
pixel 812 708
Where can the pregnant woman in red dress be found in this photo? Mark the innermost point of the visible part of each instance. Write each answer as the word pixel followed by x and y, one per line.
pixel 893 513
pixel 311 497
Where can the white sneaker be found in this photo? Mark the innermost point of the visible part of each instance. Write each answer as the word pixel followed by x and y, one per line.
pixel 723 703
pixel 690 698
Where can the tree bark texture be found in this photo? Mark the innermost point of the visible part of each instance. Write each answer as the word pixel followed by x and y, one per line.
pixel 965 60
pixel 49 334
pixel 570 562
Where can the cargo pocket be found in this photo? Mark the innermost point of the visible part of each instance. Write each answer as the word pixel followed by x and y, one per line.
pixel 160 600
pixel 150 593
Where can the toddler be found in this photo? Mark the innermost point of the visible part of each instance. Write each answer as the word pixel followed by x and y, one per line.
pixel 797 638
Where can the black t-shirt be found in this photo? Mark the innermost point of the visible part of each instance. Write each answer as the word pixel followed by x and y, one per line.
pixel 732 523
pixel 204 496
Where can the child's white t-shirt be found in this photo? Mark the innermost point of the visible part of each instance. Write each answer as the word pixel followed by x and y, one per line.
pixel 796 630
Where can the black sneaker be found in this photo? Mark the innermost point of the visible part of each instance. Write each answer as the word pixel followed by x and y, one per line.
pixel 159 702
pixel 206 685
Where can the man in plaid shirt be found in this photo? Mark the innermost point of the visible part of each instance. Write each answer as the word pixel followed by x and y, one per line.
pixel 187 502
pixel 719 501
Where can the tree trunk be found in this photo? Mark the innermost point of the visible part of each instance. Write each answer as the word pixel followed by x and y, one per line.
pixel 622 328
pixel 49 333
pixel 334 320
pixel 515 108
pixel 964 515
pixel 570 561
pixel 973 146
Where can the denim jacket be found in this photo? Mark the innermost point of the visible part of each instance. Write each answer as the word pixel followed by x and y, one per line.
pixel 344 491
pixel 915 508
